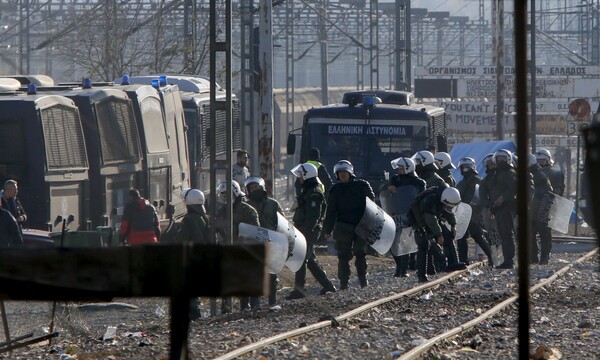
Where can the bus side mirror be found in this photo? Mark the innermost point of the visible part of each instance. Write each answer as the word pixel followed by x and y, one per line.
pixel 291 144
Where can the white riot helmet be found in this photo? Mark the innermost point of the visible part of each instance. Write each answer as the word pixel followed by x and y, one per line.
pixel 306 171
pixel 544 154
pixel 192 196
pixel 237 190
pixel 450 197
pixel 531 159
pixel 488 159
pixel 467 162
pixel 424 157
pixel 343 165
pixel 444 159
pixel 503 155
pixel 407 163
pixel 254 180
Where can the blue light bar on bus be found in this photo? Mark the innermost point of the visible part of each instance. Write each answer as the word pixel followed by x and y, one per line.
pixel 31 89
pixel 125 80
pixel 87 83
pixel 368 100
pixel 156 83
pixel 163 80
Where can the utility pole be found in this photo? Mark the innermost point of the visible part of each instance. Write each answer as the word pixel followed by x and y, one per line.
pixel 532 73
pixel 265 93
pixel 322 32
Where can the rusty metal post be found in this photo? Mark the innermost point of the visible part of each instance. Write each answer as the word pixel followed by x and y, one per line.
pixel 500 78
pixel 265 94
pixel 522 128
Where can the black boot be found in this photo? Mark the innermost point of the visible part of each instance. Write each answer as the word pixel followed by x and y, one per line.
pixel 422 265
pixel 412 261
pixel 397 260
pixel 404 266
pixel 343 273
pixel 361 270
pixel 321 276
pixel 463 250
pixel 273 281
pixel 299 281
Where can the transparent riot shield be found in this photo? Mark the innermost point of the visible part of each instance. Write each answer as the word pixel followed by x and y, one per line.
pixel 296 243
pixel 397 205
pixel 376 227
pixel 557 211
pixel 276 243
pixel 462 213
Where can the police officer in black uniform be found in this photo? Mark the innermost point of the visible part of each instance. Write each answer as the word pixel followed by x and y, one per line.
pixel 502 204
pixel 430 208
pixel 405 177
pixel 345 208
pixel 308 218
pixel 444 163
pixel 267 209
pixel 554 174
pixel 467 188
pixel 542 187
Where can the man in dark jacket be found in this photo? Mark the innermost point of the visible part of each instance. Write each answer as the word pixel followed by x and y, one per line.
pixel 542 188
pixel 195 227
pixel 345 208
pixel 314 157
pixel 11 203
pixel 502 200
pixel 405 177
pixel 242 213
pixel 308 218
pixel 10 235
pixel 554 173
pixel 468 188
pixel 267 209
pixel 139 224
pixel 430 208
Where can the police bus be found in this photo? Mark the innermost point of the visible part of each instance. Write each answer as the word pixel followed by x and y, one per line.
pixel 370 129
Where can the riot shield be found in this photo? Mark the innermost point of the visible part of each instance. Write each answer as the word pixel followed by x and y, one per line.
pixel 376 227
pixel 462 213
pixel 557 211
pixel 399 205
pixel 296 243
pixel 276 243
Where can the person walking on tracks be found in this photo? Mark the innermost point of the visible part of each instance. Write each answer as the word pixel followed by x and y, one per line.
pixel 502 200
pixel 542 186
pixel 345 207
pixel 309 218
pixel 195 227
pixel 469 193
pixel 139 224
pixel 427 212
pixel 267 209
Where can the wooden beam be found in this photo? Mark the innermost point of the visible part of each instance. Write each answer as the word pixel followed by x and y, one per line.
pixel 135 271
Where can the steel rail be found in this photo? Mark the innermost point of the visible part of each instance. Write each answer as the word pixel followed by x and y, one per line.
pixel 361 309
pixel 420 349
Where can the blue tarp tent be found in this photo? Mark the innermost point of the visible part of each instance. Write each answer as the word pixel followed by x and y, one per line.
pixel 477 151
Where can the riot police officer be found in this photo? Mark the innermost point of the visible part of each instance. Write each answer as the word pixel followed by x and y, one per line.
pixel 242 213
pixel 469 193
pixel 267 209
pixel 195 227
pixel 426 169
pixel 405 177
pixel 554 174
pixel 502 204
pixel 432 207
pixel 345 207
pixel 308 218
pixel 444 163
pixel 542 187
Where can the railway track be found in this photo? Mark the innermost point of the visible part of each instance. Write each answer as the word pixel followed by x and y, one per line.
pixel 410 322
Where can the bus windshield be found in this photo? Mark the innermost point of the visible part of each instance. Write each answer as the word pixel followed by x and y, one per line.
pixel 370 148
